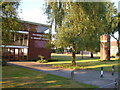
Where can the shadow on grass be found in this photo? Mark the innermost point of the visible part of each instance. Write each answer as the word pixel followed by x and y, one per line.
pixel 24 78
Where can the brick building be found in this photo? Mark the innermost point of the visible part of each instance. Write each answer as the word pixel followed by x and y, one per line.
pixel 28 42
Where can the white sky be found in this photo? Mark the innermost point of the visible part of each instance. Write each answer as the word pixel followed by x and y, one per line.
pixel 33 10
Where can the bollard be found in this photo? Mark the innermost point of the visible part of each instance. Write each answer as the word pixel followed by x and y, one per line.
pixel 113 69
pixel 72 74
pixel 101 72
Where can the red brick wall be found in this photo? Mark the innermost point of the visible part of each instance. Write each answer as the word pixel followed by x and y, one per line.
pixel 37 47
pixel 104 48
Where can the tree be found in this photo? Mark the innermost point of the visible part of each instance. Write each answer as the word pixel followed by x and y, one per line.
pixel 9 20
pixel 117 29
pixel 55 12
pixel 69 33
pixel 109 22
pixel 106 18
pixel 79 22
pixel 93 44
pixel 78 27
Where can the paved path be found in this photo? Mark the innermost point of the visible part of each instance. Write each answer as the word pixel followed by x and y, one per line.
pixel 84 76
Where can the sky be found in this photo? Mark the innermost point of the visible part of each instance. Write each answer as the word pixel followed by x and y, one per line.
pixel 33 10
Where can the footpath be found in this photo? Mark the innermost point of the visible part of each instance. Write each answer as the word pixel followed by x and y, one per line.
pixel 83 76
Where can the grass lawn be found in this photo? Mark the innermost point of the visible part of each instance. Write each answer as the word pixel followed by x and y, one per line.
pixel 18 77
pixel 64 61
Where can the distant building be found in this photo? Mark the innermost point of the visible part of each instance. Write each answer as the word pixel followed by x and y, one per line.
pixel 113 48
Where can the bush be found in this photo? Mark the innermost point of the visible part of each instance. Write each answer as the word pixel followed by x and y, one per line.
pixel 34 59
pixel 42 61
pixel 52 50
pixel 41 57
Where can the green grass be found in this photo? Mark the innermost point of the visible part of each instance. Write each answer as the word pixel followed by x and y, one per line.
pixel 64 61
pixel 18 77
pixel 67 57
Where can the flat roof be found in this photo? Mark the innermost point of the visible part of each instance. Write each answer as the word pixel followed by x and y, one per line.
pixel 12 46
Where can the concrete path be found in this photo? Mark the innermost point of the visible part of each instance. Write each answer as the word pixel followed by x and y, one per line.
pixel 84 76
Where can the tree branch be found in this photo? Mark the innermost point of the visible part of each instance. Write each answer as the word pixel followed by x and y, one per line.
pixel 114 36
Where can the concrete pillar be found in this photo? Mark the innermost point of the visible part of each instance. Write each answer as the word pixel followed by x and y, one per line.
pixel 105 47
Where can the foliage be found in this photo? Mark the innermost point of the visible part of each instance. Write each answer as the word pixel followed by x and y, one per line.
pixel 9 19
pixel 77 32
pixel 94 44
pixel 117 29
pixel 53 50
pixel 34 59
pixel 59 50
pixel 80 24
pixel 55 12
pixel 70 50
pixel 41 57
pixel 42 61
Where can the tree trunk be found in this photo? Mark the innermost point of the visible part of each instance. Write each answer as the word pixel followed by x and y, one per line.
pixel 91 55
pixel 73 56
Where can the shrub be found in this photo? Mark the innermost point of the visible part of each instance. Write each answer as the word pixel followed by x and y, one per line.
pixel 34 59
pixel 52 50
pixel 41 57
pixel 42 61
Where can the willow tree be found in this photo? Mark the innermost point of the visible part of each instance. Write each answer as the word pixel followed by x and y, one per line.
pixel 55 12
pixel 78 25
pixel 9 18
pixel 80 21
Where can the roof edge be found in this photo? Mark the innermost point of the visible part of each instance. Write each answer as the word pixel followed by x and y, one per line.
pixel 34 23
